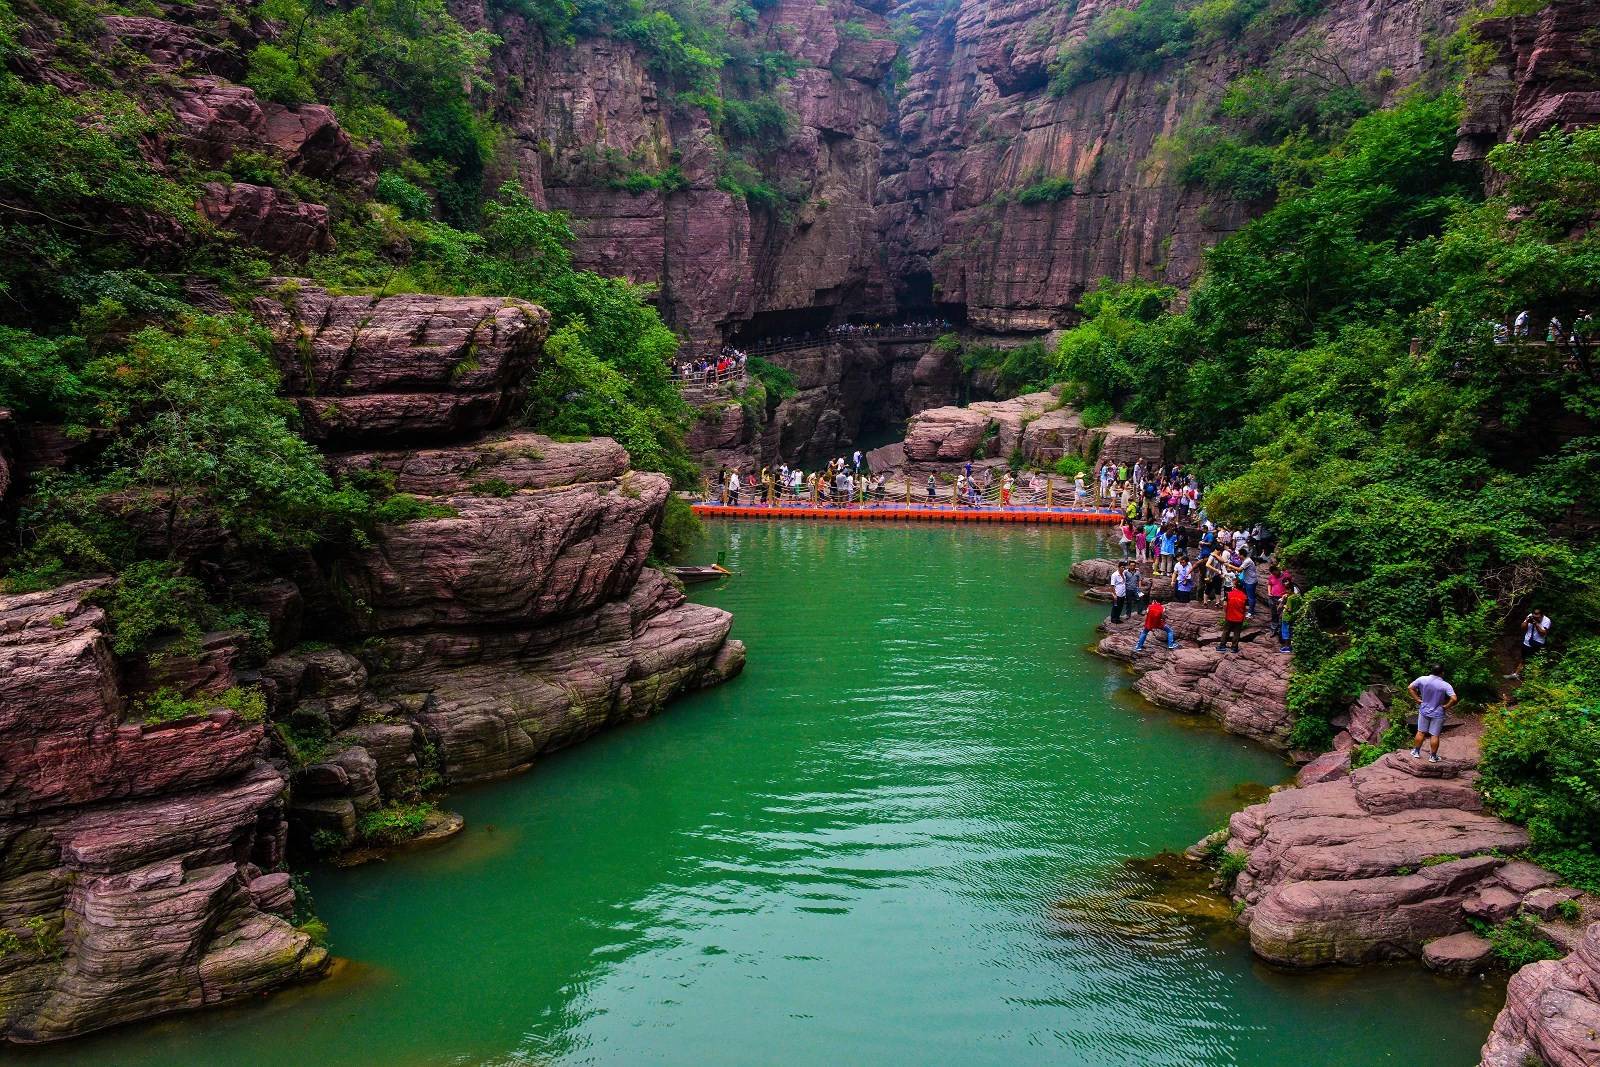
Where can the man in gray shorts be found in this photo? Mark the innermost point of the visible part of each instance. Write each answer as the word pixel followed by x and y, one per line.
pixel 1434 697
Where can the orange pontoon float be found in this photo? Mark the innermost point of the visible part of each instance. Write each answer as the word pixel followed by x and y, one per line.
pixel 901 512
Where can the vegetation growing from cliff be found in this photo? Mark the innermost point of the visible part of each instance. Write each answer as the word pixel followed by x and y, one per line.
pixel 175 440
pixel 1156 32
pixel 1541 762
pixel 1423 499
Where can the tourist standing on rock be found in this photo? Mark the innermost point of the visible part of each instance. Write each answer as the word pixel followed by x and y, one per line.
pixel 1208 542
pixel 1233 611
pixel 1141 544
pixel 1169 549
pixel 1277 592
pixel 1246 568
pixel 1434 697
pixel 1183 579
pixel 1125 538
pixel 1136 588
pixel 1283 614
pixel 1155 619
pixel 1216 575
pixel 1119 590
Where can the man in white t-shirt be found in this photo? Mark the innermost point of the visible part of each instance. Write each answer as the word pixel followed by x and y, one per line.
pixel 1535 635
pixel 1119 591
pixel 1434 697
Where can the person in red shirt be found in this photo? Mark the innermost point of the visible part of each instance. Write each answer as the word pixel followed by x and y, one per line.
pixel 1155 618
pixel 1233 610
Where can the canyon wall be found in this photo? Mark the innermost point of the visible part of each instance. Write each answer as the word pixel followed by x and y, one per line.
pixel 977 119
pixel 902 176
pixel 584 114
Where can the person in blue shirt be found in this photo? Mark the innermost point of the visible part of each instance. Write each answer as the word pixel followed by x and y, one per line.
pixel 1434 697
pixel 1169 550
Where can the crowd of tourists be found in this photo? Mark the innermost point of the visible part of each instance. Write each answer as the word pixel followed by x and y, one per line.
pixel 1581 332
pixel 1165 532
pixel 839 482
pixel 712 369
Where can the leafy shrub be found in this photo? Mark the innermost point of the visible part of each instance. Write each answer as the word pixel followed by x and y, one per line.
pixel 1541 761
pixel 1070 466
pixel 777 381
pixel 166 705
pixel 403 508
pixel 497 487
pixel 681 530
pixel 412 200
pixel 1045 191
pixel 151 599
pixel 326 842
pixel 395 823
pixel 1232 866
pixel 763 121
pixel 667 181
pixel 1096 415
pixel 1517 942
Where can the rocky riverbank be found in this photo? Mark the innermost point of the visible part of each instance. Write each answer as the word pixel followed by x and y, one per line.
pixel 1396 859
pixel 511 613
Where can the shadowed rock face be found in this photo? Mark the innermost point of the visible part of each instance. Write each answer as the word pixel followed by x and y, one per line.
pixel 1539 78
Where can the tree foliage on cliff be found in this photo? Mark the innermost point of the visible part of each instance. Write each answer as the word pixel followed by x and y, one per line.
pixel 1155 32
pixel 1419 497
pixel 179 448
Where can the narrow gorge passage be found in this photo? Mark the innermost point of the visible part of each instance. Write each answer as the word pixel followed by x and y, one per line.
pixel 898 837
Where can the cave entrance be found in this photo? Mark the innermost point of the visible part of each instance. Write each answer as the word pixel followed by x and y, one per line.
pixel 776 327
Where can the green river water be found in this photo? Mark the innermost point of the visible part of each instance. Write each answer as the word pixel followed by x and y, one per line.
pixel 898 838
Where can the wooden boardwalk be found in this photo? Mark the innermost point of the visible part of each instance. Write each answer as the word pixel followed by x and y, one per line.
pixel 899 511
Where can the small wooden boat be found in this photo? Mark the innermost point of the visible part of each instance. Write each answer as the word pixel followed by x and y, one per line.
pixel 692 575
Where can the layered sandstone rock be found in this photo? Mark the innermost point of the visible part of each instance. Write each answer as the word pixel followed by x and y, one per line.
pixel 1552 1012
pixel 524 621
pixel 215 119
pixel 267 218
pixel 1037 424
pixel 1243 690
pixel 975 120
pixel 131 856
pixel 592 112
pixel 1539 78
pixel 1375 864
pixel 369 369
